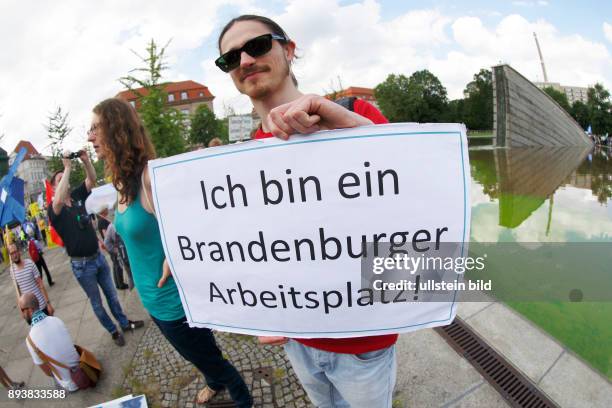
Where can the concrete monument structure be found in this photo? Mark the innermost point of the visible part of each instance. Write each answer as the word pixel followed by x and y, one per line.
pixel 524 115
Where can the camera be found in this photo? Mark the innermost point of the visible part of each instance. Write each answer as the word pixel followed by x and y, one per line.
pixel 83 220
pixel 74 155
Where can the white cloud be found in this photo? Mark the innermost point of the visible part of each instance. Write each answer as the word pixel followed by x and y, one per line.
pixel 607 29
pixel 71 53
pixel 570 59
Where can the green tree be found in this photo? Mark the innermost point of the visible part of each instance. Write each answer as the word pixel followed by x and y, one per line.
pixel 392 98
pixel 99 168
pixel 165 125
pixel 477 112
pixel 599 107
pixel 420 98
pixel 58 130
pixel 559 97
pixel 205 126
pixel 482 165
pixel 580 112
pixel 427 100
pixel 455 111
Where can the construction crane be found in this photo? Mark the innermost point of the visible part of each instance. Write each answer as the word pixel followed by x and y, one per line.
pixel 541 58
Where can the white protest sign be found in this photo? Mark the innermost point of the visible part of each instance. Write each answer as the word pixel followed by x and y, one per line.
pixel 263 238
pixel 101 198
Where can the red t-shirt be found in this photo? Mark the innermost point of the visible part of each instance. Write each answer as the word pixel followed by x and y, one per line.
pixel 354 345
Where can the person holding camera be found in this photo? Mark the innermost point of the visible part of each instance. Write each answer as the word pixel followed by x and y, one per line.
pixel 73 224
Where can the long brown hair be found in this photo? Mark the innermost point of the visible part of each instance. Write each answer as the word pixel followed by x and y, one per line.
pixel 126 146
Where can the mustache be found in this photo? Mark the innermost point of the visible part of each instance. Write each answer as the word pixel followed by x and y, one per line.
pixel 245 72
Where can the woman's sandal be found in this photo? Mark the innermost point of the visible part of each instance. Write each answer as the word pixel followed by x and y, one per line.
pixel 205 395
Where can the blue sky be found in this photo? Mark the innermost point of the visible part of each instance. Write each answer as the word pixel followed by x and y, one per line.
pixel 583 17
pixel 341 42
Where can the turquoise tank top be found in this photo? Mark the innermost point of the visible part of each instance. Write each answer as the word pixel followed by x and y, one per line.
pixel 140 233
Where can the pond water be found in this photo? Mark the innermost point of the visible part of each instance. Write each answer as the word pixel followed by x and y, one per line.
pixel 546 215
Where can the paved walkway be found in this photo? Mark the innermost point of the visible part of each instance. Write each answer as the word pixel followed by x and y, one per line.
pixel 557 371
pixel 430 373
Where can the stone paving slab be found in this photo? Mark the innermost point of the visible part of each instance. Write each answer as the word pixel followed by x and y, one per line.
pixel 466 310
pixel 71 306
pixel 531 350
pixel 571 383
pixel 482 395
pixel 431 374
pixel 19 369
pixel 565 378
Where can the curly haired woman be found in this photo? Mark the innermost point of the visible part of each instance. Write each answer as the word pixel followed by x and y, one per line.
pixel 119 138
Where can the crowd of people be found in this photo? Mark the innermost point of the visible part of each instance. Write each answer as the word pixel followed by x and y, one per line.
pixel 49 341
pixel 258 55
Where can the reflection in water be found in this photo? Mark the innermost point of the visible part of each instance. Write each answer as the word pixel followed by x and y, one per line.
pixel 544 218
pixel 522 179
pixel 527 177
pixel 482 168
pixel 595 173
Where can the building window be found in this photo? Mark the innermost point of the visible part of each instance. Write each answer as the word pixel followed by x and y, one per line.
pixel 170 97
pixel 201 94
pixel 183 95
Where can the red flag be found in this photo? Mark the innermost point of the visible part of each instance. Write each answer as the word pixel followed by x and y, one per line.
pixel 49 198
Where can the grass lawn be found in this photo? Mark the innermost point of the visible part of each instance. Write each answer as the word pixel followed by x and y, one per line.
pixel 585 328
pixel 525 278
pixel 486 134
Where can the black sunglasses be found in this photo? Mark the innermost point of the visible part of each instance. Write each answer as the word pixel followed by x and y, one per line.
pixel 255 47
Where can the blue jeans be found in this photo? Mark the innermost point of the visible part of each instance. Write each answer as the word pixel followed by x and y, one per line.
pixel 198 346
pixel 336 380
pixel 91 273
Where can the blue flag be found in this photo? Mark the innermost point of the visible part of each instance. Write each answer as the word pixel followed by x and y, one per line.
pixel 12 207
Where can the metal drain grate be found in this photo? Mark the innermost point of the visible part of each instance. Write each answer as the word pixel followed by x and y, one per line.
pixel 517 389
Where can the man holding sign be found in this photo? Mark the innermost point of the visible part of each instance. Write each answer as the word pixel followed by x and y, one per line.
pixel 257 53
